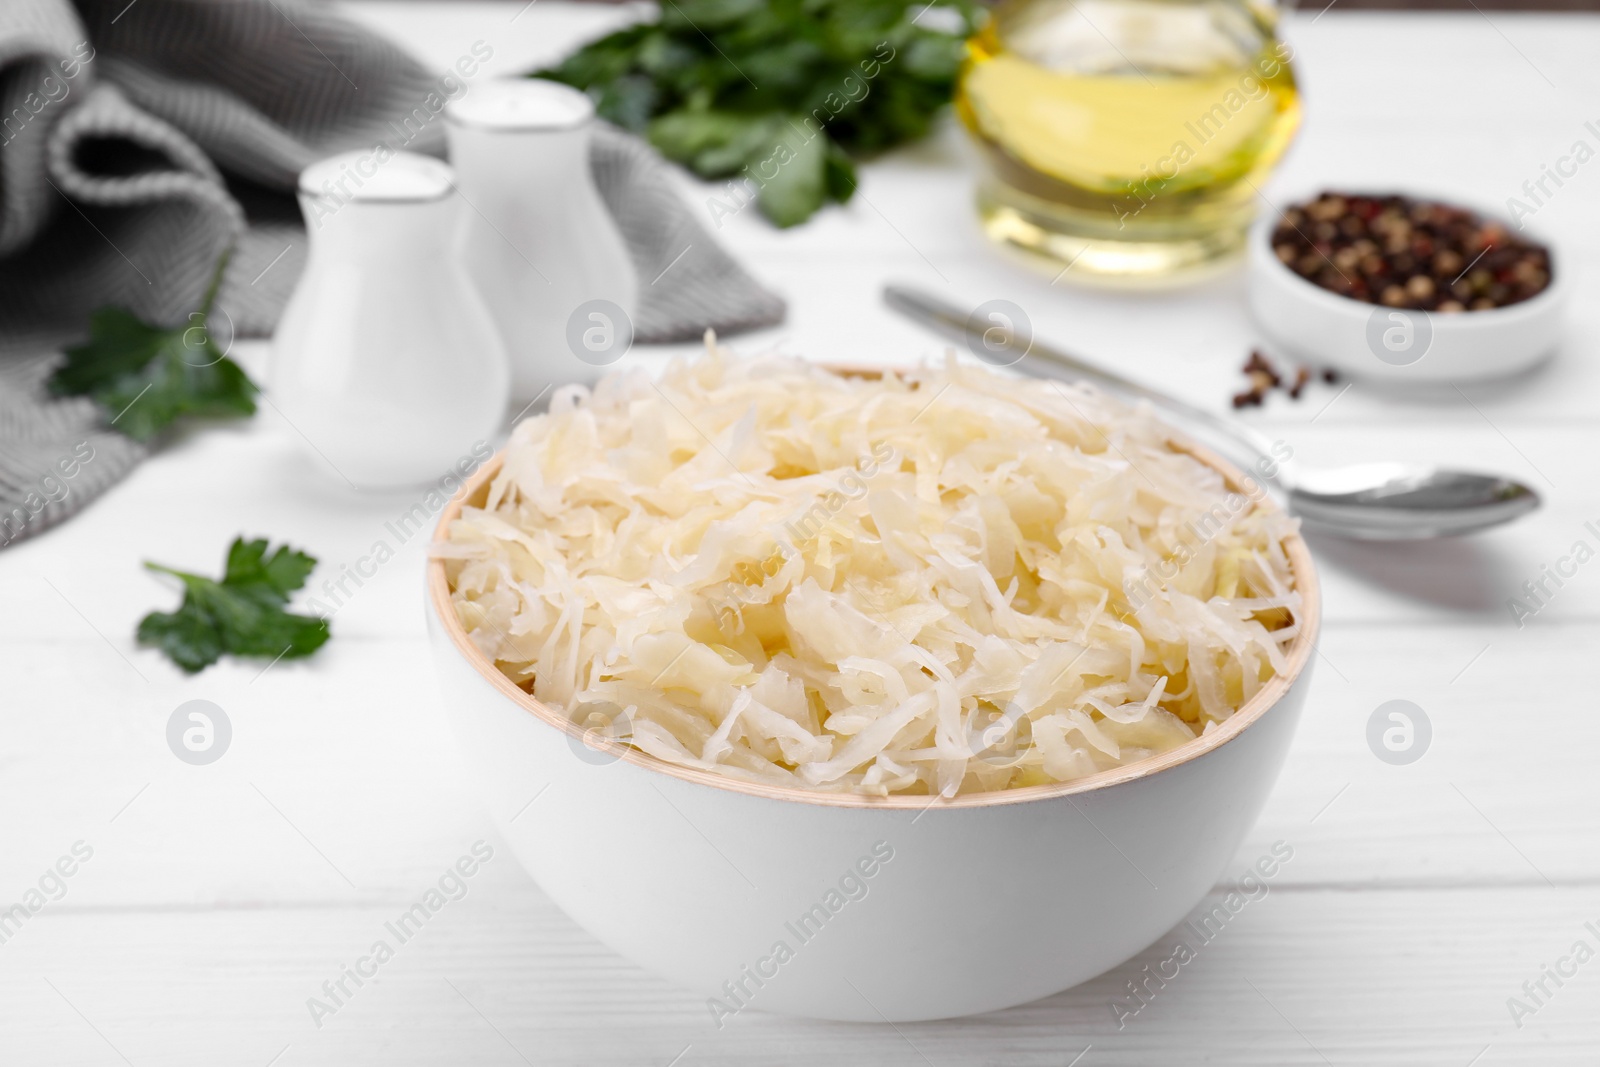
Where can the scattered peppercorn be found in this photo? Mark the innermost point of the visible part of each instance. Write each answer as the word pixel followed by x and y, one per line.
pixel 1261 370
pixel 1405 253
pixel 1264 378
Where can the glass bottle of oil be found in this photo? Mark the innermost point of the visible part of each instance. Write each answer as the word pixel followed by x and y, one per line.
pixel 1127 138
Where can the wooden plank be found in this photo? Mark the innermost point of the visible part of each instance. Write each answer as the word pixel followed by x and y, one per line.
pixel 501 977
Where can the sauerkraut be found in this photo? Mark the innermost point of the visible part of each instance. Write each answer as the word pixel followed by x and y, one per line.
pixel 938 581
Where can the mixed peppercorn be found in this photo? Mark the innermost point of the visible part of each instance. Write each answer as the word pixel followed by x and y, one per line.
pixel 1264 378
pixel 1406 253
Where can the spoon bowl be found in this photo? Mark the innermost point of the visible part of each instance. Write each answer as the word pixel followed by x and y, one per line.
pixel 1397 501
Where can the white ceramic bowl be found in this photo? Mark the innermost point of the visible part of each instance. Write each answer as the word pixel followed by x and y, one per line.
pixel 1313 325
pixel 886 908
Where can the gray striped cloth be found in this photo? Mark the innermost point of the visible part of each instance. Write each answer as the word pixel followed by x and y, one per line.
pixel 139 141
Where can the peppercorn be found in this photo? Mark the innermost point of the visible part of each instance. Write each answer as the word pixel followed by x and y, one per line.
pixel 1264 377
pixel 1399 252
pixel 1259 365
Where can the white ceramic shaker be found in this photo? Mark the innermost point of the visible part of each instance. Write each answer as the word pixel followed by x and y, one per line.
pixel 386 362
pixel 538 241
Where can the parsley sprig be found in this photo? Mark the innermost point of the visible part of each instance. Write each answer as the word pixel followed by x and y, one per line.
pixel 740 87
pixel 242 614
pixel 147 377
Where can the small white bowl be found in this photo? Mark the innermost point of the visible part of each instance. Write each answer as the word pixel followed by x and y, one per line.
pixel 1313 325
pixel 897 908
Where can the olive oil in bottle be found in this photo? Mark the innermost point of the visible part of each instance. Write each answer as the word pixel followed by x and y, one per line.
pixel 1126 138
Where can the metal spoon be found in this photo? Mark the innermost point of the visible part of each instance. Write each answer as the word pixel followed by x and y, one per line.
pixel 1372 501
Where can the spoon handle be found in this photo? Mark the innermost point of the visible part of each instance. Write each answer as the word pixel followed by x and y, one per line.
pixel 1041 360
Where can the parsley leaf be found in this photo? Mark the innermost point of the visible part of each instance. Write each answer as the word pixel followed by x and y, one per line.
pixel 241 615
pixel 799 186
pixel 743 87
pixel 147 377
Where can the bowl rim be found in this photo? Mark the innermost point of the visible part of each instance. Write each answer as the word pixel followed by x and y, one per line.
pixel 1300 652
pixel 1259 247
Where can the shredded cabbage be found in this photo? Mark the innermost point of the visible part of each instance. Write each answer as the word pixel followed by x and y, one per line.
pixel 940 581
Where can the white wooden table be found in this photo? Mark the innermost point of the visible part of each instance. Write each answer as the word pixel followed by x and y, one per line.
pixel 218 899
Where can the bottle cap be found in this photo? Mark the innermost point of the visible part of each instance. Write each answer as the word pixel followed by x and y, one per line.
pixel 378 176
pixel 521 104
